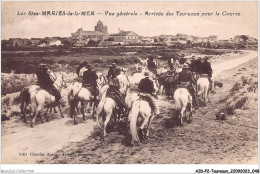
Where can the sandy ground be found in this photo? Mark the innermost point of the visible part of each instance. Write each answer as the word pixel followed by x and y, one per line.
pixel 205 140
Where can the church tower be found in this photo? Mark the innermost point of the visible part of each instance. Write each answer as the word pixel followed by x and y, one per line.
pixel 100 27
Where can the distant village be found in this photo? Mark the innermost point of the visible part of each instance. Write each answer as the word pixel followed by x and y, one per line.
pixel 101 37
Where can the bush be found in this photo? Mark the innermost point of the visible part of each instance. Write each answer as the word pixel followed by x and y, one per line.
pixel 241 103
pixel 237 86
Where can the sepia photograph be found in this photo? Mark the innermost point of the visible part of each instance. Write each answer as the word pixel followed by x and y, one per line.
pixel 130 83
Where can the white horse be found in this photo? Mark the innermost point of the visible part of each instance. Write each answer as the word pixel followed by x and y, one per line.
pixel 25 96
pixel 182 98
pixel 203 89
pixel 140 108
pixel 137 77
pixel 143 61
pixel 41 98
pixel 107 105
pixel 77 93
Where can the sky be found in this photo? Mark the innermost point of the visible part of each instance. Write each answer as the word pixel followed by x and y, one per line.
pixel 225 27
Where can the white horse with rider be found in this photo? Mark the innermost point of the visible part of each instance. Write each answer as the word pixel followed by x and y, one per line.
pixel 107 104
pixel 40 98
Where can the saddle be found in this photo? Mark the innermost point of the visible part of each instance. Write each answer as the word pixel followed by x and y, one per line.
pixel 184 85
pixel 91 88
pixel 203 76
pixel 114 95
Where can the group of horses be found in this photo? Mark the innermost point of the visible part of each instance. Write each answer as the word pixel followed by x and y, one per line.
pixel 105 107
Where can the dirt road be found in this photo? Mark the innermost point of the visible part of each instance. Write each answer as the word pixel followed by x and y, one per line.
pixel 19 139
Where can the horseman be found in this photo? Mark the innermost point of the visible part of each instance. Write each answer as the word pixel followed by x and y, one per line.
pixel 82 68
pixel 90 80
pixel 138 68
pixel 171 62
pixel 46 79
pixel 187 80
pixel 114 87
pixel 169 81
pixel 113 71
pixel 146 89
pixel 204 68
pixel 193 64
pixel 151 65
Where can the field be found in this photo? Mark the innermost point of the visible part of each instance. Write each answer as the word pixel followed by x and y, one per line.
pixel 205 140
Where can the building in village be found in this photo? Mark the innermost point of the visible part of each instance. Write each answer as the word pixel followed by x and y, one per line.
pixel 213 38
pixel 244 38
pixel 50 41
pixel 82 37
pixel 127 37
pixel 18 42
pixel 35 41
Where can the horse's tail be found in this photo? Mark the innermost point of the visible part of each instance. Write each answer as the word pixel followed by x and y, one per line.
pixel 24 98
pixel 177 100
pixel 34 103
pixel 99 113
pixel 133 114
pixel 70 94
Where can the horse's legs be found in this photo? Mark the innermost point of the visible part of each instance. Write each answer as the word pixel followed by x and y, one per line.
pixel 89 106
pixel 181 115
pixel 94 109
pixel 23 110
pixel 205 98
pixel 208 97
pixel 41 117
pixel 190 110
pixel 146 119
pixel 82 109
pixel 60 111
pixel 36 113
pixel 50 110
pixel 55 111
pixel 73 113
pixel 106 122
pixel 149 124
pixel 77 108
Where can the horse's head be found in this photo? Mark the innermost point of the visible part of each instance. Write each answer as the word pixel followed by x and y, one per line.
pixel 144 69
pixel 102 80
pixel 60 82
pixel 124 83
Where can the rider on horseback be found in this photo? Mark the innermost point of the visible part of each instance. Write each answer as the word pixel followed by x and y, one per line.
pixel 113 71
pixel 82 68
pixel 204 68
pixel 114 87
pixel 46 79
pixel 151 64
pixel 171 62
pixel 146 89
pixel 169 81
pixel 193 64
pixel 90 80
pixel 187 80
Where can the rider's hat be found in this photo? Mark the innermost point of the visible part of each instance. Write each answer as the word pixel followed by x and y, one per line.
pixel 89 66
pixel 43 66
pixel 85 63
pixel 114 65
pixel 185 66
pixel 146 73
pixel 206 58
pixel 151 57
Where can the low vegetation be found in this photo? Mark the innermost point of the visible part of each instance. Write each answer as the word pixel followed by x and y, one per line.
pixel 238 97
